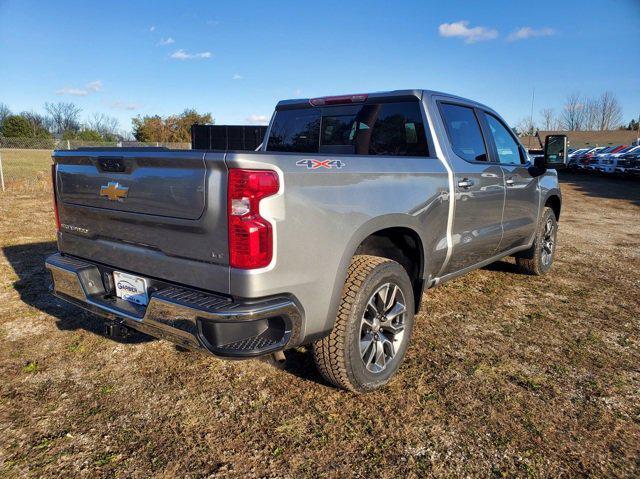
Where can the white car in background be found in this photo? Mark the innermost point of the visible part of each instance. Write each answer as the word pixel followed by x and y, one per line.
pixel 609 163
pixel 595 162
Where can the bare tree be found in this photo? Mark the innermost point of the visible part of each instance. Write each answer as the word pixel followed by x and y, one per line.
pixel 63 116
pixel 526 127
pixel 609 112
pixel 37 122
pixel 549 121
pixel 106 125
pixel 591 114
pixel 572 117
pixel 4 112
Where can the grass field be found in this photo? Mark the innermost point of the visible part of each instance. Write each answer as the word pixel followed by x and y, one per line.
pixel 24 168
pixel 507 376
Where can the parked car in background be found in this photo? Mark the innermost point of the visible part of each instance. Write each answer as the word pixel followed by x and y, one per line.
pixel 610 163
pixel 582 160
pixel 628 164
pixel 576 153
pixel 572 162
pixel 597 161
pixel 633 166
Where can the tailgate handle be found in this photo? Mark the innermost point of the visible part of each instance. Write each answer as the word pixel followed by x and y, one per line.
pixel 111 164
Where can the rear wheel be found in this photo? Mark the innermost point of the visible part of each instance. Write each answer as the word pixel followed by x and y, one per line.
pixel 372 329
pixel 538 259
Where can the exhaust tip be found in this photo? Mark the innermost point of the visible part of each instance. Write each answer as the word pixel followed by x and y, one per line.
pixel 277 360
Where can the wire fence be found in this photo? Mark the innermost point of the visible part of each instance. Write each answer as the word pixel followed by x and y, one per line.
pixel 25 163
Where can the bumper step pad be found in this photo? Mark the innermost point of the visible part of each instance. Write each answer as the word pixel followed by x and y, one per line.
pixel 261 341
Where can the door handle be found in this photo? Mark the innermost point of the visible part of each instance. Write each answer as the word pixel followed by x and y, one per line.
pixel 510 182
pixel 465 183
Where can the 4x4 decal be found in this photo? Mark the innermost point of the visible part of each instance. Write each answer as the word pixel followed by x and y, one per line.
pixel 312 164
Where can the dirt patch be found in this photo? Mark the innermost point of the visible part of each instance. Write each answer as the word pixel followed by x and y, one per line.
pixel 508 375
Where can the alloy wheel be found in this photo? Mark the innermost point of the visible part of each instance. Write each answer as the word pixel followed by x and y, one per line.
pixel 382 327
pixel 548 242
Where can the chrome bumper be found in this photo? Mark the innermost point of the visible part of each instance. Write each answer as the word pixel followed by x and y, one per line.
pixel 193 319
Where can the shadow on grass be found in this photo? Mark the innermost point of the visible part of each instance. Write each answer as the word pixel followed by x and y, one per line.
pixel 503 266
pixel 300 363
pixel 600 186
pixel 27 260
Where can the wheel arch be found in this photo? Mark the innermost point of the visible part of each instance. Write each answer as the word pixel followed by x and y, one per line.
pixel 364 240
pixel 402 245
pixel 554 202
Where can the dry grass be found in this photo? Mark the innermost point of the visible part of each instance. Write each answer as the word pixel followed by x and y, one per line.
pixel 25 169
pixel 508 375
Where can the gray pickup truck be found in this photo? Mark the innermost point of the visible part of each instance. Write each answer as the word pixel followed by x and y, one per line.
pixel 326 236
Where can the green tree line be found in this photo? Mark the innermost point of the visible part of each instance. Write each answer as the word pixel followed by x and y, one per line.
pixel 172 129
pixel 62 120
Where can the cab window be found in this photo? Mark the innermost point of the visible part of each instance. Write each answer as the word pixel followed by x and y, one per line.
pixel 464 132
pixel 507 147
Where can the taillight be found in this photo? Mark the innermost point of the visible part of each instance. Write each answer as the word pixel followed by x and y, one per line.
pixel 250 235
pixel 55 200
pixel 339 100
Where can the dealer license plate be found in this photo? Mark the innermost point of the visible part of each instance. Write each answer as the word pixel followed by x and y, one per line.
pixel 130 287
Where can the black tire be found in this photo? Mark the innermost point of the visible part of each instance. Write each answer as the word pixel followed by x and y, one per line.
pixel 538 259
pixel 338 356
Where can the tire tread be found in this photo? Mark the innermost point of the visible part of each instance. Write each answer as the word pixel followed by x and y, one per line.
pixel 529 261
pixel 329 352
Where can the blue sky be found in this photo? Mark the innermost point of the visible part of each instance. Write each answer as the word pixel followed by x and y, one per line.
pixel 237 59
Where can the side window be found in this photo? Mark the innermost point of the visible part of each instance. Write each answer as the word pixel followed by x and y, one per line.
pixel 508 150
pixel 295 130
pixel 398 130
pixel 464 132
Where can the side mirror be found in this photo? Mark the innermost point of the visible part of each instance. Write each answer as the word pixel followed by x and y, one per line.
pixel 555 151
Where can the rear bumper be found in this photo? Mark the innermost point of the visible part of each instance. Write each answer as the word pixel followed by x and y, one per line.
pixel 193 319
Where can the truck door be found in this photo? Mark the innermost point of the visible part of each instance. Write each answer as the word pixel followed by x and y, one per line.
pixel 522 192
pixel 479 188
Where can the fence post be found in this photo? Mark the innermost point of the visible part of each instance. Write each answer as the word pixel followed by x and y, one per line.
pixel 1 173
pixel 68 145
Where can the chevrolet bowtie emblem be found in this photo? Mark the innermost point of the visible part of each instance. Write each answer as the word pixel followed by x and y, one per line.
pixel 114 191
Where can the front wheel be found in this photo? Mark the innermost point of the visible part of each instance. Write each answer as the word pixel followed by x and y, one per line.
pixel 538 259
pixel 372 328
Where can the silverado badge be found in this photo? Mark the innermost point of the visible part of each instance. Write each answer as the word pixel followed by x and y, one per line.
pixel 114 191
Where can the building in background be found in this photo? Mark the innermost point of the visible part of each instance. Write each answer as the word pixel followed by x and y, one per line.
pixel 582 139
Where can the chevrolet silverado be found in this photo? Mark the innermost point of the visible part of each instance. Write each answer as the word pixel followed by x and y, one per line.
pixel 326 236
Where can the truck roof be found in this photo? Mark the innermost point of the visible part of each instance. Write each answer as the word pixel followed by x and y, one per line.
pixel 381 96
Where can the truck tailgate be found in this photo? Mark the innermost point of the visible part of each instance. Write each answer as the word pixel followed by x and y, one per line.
pixel 148 211
pixel 156 184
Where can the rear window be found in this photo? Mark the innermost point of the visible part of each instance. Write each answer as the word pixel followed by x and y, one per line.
pixel 394 129
pixel 295 130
